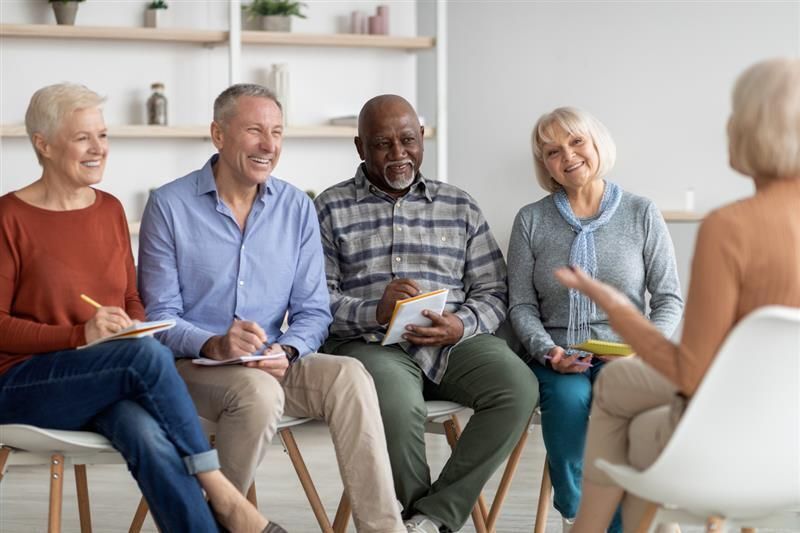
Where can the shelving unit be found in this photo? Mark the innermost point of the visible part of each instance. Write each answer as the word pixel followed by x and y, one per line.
pixel 212 37
pixel 682 216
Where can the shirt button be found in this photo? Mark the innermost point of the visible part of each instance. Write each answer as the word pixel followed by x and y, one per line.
pixel 399 228
pixel 243 247
pixel 398 259
pixel 444 238
pixel 241 282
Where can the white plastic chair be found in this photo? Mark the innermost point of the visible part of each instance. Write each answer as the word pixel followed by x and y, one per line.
pixel 24 445
pixel 735 455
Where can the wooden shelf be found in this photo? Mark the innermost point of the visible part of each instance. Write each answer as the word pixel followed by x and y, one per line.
pixel 113 33
pixel 212 37
pixel 682 216
pixel 350 40
pixel 202 132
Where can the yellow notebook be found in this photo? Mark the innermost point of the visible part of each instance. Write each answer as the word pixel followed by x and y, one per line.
pixel 409 311
pixel 605 348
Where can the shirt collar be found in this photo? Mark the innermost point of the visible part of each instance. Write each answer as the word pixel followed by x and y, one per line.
pixel 364 188
pixel 206 183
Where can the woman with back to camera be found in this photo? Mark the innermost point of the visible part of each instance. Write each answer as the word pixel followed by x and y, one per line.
pixel 621 239
pixel 60 237
pixel 746 257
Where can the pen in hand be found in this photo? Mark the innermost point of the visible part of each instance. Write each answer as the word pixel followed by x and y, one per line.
pixel 90 301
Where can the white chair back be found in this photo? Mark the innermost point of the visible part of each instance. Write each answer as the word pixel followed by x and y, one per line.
pixel 736 451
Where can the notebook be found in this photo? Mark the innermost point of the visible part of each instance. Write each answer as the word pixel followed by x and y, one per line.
pixel 409 312
pixel 136 331
pixel 203 361
pixel 605 348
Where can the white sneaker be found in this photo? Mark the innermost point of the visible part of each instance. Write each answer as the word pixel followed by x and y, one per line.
pixel 566 524
pixel 419 523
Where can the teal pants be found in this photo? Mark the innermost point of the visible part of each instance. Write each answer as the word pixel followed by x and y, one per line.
pixel 483 374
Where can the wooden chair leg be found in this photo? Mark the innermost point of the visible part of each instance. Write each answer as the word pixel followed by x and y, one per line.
pixel 305 479
pixel 4 453
pixel 647 518
pixel 543 508
pixel 715 524
pixel 82 490
pixel 56 492
pixel 452 430
pixel 139 516
pixel 342 514
pixel 251 495
pixel 505 481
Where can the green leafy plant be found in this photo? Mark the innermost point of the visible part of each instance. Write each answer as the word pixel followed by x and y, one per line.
pixel 264 8
pixel 157 4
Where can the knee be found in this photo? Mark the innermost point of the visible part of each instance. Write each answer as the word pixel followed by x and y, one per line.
pixel 150 354
pixel 609 379
pixel 518 389
pixel 257 399
pixel 568 395
pixel 133 431
pixel 351 375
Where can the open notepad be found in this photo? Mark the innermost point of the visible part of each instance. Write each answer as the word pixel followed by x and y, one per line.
pixel 203 361
pixel 409 312
pixel 605 348
pixel 136 331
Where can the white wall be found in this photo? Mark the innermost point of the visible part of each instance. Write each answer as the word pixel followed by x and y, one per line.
pixel 324 83
pixel 658 74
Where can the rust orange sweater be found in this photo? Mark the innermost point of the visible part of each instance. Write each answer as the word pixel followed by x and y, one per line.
pixel 747 256
pixel 47 259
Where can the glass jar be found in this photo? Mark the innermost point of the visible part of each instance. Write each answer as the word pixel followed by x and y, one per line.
pixel 157 106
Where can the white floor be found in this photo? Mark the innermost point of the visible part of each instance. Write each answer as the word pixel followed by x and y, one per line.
pixel 24 491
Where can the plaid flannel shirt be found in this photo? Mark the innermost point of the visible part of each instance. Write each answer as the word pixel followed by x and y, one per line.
pixel 435 235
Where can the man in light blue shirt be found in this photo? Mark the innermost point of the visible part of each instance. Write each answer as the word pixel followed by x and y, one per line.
pixel 230 252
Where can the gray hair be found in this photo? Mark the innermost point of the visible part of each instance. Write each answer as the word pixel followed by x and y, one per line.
pixel 764 128
pixel 225 104
pixel 50 105
pixel 575 122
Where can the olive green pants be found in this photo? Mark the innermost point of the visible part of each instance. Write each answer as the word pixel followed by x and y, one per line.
pixel 483 374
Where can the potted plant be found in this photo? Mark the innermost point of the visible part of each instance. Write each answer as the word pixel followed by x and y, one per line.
pixel 276 14
pixel 154 14
pixel 65 11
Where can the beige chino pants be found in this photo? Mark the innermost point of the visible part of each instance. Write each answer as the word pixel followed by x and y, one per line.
pixel 634 413
pixel 247 403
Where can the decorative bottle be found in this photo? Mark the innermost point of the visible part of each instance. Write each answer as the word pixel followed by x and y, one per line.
pixel 157 106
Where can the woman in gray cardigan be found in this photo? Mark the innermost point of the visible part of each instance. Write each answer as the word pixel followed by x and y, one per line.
pixel 620 239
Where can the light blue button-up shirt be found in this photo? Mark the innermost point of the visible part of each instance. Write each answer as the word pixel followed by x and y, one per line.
pixel 197 267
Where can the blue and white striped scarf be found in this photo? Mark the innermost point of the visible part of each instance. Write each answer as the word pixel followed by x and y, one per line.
pixel 581 309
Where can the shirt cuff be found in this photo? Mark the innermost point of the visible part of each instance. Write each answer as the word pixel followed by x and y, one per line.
pixel 192 345
pixel 469 321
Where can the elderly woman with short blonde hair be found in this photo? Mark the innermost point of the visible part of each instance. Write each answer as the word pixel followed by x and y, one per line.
pixel 746 257
pixel 618 237
pixel 61 237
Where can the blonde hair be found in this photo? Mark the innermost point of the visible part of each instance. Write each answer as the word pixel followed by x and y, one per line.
pixel 764 128
pixel 49 105
pixel 576 122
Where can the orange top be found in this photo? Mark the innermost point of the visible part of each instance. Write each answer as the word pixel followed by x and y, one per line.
pixel 47 259
pixel 747 256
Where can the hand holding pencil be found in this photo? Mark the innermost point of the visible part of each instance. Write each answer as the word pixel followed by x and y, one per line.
pixel 106 321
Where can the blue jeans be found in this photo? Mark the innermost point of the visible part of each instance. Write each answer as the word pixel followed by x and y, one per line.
pixel 130 392
pixel 565 401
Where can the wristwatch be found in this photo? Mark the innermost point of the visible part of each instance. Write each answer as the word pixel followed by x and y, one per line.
pixel 291 353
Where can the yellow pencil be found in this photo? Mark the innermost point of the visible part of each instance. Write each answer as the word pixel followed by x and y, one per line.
pixel 90 301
